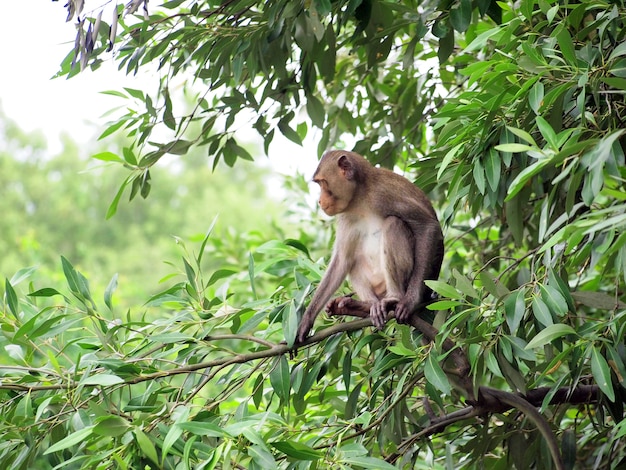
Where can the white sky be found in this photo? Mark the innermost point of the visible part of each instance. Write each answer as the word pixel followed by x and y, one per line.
pixel 34 41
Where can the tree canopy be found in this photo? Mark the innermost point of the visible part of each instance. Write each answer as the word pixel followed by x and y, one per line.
pixel 510 115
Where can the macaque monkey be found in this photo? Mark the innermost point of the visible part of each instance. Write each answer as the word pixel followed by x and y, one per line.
pixel 388 239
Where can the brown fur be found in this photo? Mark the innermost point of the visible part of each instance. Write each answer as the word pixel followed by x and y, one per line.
pixel 388 238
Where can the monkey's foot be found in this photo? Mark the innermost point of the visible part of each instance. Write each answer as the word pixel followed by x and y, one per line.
pixel 403 313
pixel 303 330
pixel 343 306
pixel 379 312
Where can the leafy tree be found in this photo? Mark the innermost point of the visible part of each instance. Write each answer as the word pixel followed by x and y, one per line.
pixel 54 204
pixel 511 116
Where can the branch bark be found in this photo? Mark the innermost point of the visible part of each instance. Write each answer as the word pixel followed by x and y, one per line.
pixel 461 371
pixel 489 400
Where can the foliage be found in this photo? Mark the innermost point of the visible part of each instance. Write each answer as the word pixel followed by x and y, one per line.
pixel 510 114
pixel 52 204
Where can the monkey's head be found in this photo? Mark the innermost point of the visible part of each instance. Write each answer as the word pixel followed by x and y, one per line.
pixel 338 175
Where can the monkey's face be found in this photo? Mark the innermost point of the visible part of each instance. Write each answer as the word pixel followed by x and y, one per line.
pixel 336 177
pixel 334 199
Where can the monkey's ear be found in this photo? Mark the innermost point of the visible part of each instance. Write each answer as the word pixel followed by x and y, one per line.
pixel 346 167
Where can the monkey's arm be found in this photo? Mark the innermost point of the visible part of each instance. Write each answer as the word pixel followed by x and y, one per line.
pixel 335 274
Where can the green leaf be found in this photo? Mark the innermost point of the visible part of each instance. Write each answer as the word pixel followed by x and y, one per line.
pixel 135 93
pixel 103 380
pixel 171 338
pixel 203 429
pixel 257 396
pixel 547 132
pixel 290 323
pixel 111 129
pixel 191 274
pixel 598 300
pixel 22 274
pixel 495 288
pixel 168 116
pixel 262 457
pixel 443 305
pixel 221 274
pixel 514 308
pixel 177 147
pixel 108 293
pixel 478 172
pixel 172 436
pixel 464 285
pixel 554 299
pixel 400 350
pixel 35 327
pixel 602 150
pixel 352 404
pixel 542 312
pixel 77 283
pixel 522 134
pixel 619 68
pixel 297 450
pixel 448 158
pixel 45 292
pixel 280 378
pixel 107 157
pixel 481 40
pixel 515 148
pixel 11 298
pixel 367 462
pixel 129 155
pixel 535 96
pixel 524 177
pixel 602 373
pixel 594 181
pixel 283 126
pixel 435 375
pixel 617 363
pixel 75 438
pixel 70 275
pixel 550 333
pixel 113 206
pixel 446 46
pixel 461 17
pixel 567 46
pixel 493 169
pixel 315 110
pixel 117 93
pixel 146 446
pixel 444 289
pixel 619 51
pixel 111 426
pixel 551 13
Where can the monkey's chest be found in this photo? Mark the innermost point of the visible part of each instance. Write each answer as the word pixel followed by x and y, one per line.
pixel 370 248
pixel 369 256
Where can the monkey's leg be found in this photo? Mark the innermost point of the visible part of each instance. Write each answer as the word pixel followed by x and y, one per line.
pixel 397 254
pixel 428 255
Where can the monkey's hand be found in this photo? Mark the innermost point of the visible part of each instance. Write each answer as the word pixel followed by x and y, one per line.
pixel 379 312
pixel 403 311
pixel 303 329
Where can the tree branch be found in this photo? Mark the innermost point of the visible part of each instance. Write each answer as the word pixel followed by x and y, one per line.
pixel 490 400
pixel 358 308
pixel 275 350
